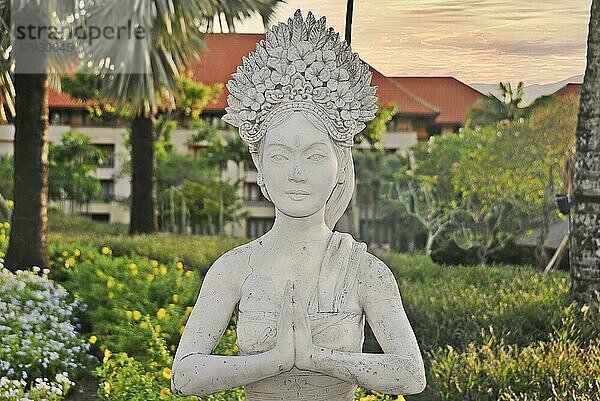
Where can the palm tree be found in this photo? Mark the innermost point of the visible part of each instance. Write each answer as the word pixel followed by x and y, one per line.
pixel 174 40
pixel 492 108
pixel 28 244
pixel 585 241
pixel 7 90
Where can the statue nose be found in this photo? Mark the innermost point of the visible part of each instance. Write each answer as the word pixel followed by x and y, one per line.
pixel 296 174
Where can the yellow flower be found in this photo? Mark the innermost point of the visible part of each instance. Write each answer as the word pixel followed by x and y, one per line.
pixel 107 355
pixel 129 314
pixel 179 265
pixel 69 263
pixel 76 253
pixel 400 398
pixel 162 314
pixel 158 328
pixel 6 223
pixel 154 263
pixel 106 250
pixel 133 273
pixel 175 298
pixel 1 254
pixel 144 325
pixel 150 277
pixel 93 339
pixel 132 266
pixel 162 270
pixel 188 310
pixel 189 273
pixel 111 295
pixel 106 386
pixel 173 348
pixel 110 282
pixel 65 253
pixel 369 397
pixel 181 329
pixel 166 373
pixel 165 392
pixel 137 315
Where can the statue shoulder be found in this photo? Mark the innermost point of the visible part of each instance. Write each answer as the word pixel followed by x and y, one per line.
pixel 374 273
pixel 232 266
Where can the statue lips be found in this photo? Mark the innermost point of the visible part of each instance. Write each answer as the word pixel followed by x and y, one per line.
pixel 297 194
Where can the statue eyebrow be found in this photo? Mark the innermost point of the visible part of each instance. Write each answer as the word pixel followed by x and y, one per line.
pixel 291 149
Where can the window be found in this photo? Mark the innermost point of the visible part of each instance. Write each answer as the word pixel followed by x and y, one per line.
pixel 109 154
pixel 55 118
pixel 104 217
pixel 255 227
pixel 253 193
pixel 249 166
pixel 401 124
pixel 108 190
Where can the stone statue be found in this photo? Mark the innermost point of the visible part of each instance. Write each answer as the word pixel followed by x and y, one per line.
pixel 302 290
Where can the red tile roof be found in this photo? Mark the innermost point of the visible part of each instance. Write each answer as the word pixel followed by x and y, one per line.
pixel 452 97
pixel 406 100
pixel 446 98
pixel 59 99
pixel 224 52
pixel 571 89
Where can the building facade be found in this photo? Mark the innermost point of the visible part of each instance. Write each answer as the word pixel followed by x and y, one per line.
pixel 426 106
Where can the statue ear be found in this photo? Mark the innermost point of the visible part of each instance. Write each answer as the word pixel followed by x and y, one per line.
pixel 259 177
pixel 342 171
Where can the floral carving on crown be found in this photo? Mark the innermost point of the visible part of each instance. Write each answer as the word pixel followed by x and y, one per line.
pixel 301 65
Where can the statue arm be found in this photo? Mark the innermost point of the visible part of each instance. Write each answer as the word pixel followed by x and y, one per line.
pixel 400 370
pixel 195 371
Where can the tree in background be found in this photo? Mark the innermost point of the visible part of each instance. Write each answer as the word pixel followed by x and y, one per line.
pixel 192 193
pixel 509 179
pixel 28 243
pixel 585 241
pixel 491 108
pixel 377 127
pixel 218 149
pixel 72 162
pixel 175 41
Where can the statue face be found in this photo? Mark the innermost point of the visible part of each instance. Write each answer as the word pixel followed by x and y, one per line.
pixel 299 166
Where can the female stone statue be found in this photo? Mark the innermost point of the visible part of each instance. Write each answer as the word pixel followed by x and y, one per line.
pixel 303 291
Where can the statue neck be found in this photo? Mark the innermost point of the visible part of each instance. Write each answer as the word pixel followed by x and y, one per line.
pixel 301 229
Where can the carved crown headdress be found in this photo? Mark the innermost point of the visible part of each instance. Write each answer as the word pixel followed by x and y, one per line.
pixel 301 65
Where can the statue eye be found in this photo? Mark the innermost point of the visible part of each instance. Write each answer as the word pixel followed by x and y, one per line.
pixel 317 157
pixel 278 157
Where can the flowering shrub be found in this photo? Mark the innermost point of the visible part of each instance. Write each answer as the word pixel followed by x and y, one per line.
pixel 41 389
pixel 137 311
pixel 121 290
pixel 4 236
pixel 39 339
pixel 127 378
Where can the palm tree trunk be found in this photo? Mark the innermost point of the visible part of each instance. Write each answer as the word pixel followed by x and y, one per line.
pixel 28 245
pixel 144 216
pixel 585 241
pixel 349 12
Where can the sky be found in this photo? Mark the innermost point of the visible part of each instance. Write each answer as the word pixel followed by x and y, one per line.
pixel 476 41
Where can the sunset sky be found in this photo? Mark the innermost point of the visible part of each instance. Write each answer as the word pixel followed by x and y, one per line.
pixel 476 41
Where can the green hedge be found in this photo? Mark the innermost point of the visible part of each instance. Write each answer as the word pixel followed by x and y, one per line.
pixel 197 252
pixel 487 332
